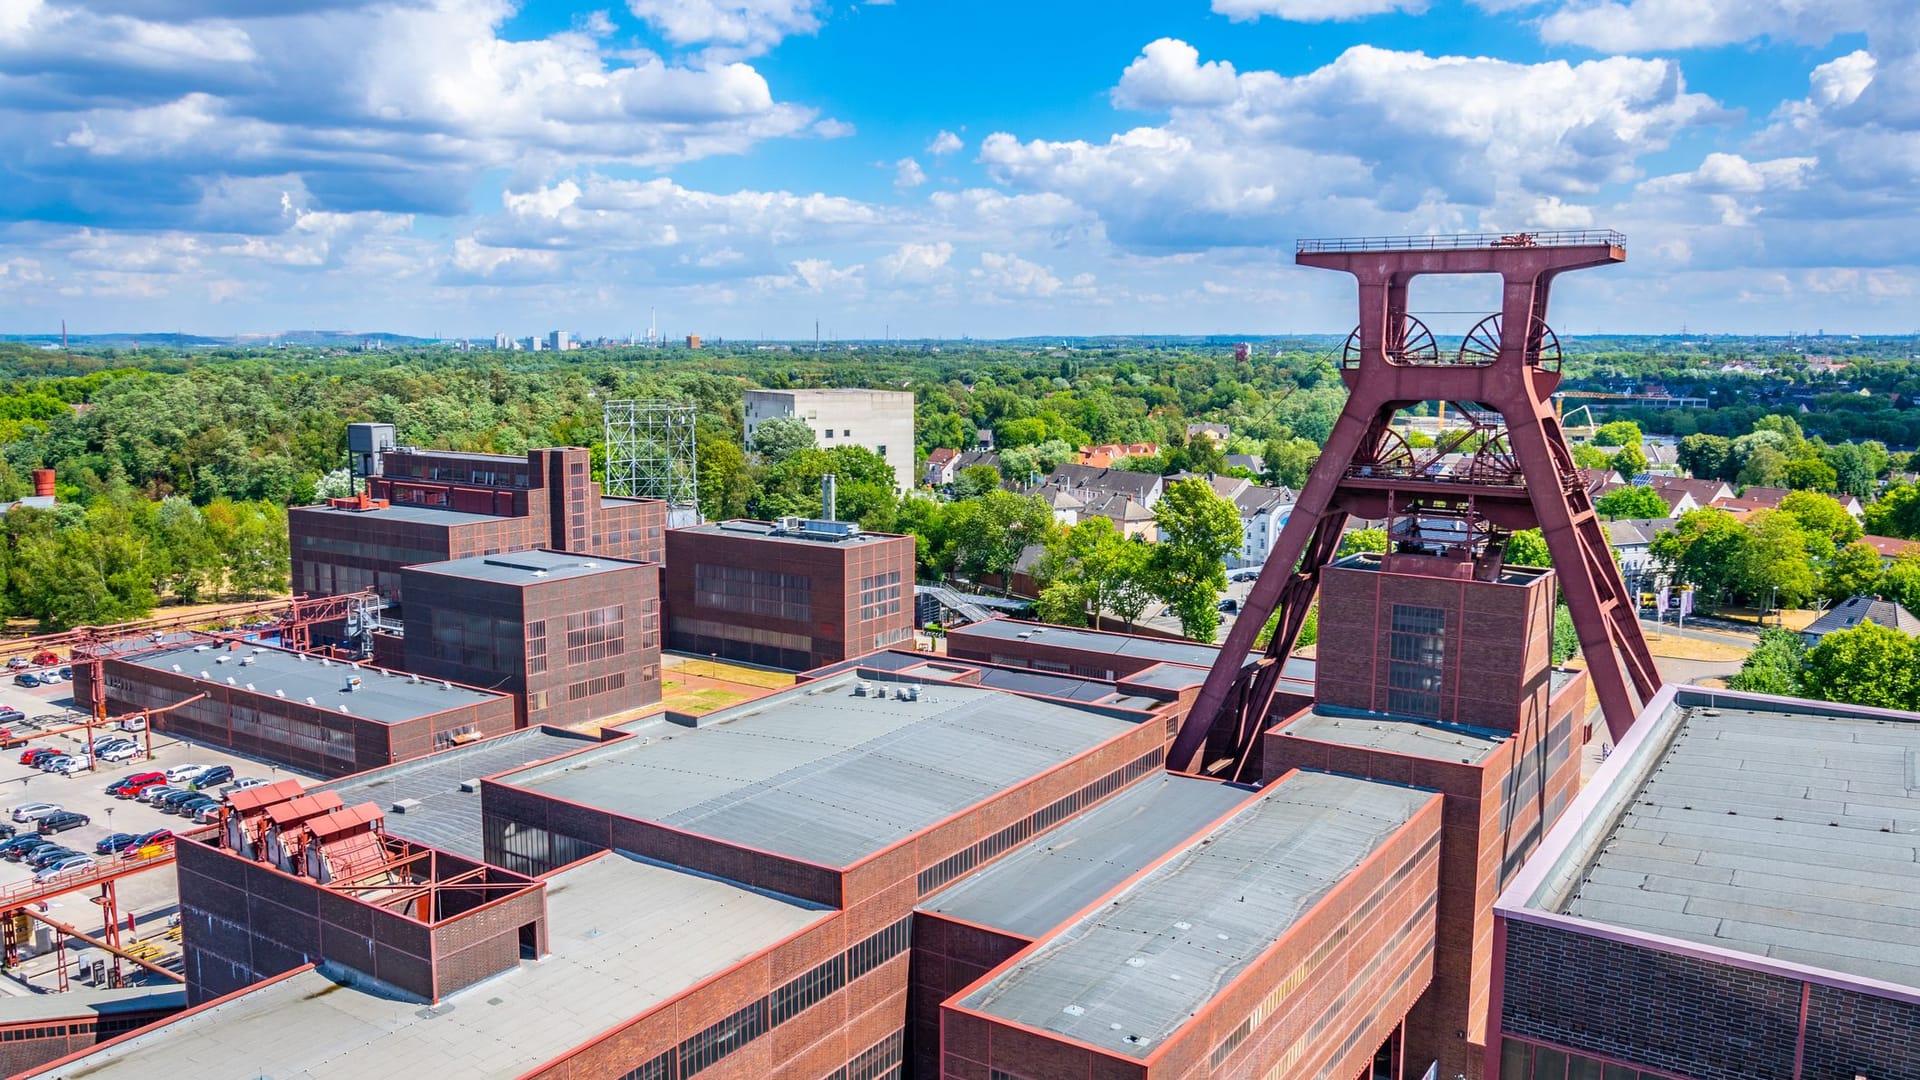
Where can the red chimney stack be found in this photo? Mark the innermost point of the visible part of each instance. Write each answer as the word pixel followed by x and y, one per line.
pixel 43 482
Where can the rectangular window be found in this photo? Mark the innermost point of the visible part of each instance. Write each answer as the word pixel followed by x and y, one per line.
pixel 806 991
pixel 721 1039
pixel 880 595
pixel 878 949
pixel 750 591
pixel 1416 660
pixel 536 647
pixel 596 634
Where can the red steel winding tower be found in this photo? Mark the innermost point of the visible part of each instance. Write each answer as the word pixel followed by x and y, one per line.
pixel 1510 468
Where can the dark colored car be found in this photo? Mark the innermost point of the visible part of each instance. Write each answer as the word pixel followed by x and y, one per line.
pixel 6 832
pixel 66 672
pixel 118 842
pixel 11 715
pixel 62 821
pixel 13 849
pixel 172 803
pixel 44 857
pixel 193 806
pixel 26 678
pixel 219 774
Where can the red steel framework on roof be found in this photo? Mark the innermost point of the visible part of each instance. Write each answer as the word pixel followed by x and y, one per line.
pixel 1519 475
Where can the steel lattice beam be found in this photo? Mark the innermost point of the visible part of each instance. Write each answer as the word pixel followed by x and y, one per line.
pixel 1514 377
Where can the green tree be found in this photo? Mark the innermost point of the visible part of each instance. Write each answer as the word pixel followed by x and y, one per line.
pixel 987 534
pixel 1629 462
pixel 1528 548
pixel 1637 501
pixel 1774 666
pixel 1289 461
pixel 1354 541
pixel 863 487
pixel 975 481
pixel 1855 570
pixel 1704 547
pixel 1867 665
pixel 1618 433
pixel 1085 569
pixel 1766 466
pixel 1589 456
pixel 1773 564
pixel 925 519
pixel 778 438
pixel 726 480
pixel 1901 581
pixel 1809 473
pixel 185 560
pixel 1197 529
pixel 1706 456
pixel 1856 466
pixel 1566 638
pixel 1895 513
pixel 1822 515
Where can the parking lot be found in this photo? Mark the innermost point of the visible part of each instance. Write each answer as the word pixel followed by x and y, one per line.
pixel 84 792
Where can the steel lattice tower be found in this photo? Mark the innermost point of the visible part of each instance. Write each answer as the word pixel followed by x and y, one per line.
pixel 1517 469
pixel 651 452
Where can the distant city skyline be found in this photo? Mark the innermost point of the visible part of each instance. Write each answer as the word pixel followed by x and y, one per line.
pixel 920 171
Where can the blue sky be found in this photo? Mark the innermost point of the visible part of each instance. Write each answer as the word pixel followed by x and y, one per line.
pixel 467 167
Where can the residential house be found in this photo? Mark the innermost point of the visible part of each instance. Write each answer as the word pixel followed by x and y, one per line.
pixel 941 467
pixel 1632 543
pixel 1851 612
pixel 1769 498
pixel 1104 455
pixel 1126 498
pixel 1219 433
pixel 1253 463
pixel 1683 494
pixel 1891 548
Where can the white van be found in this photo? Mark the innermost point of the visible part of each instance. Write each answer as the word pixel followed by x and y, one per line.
pixel 133 723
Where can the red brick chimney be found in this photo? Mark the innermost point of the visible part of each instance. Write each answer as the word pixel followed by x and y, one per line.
pixel 43 482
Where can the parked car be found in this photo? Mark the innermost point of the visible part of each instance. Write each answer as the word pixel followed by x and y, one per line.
pixel 32 756
pixel 118 754
pixel 34 811
pixel 219 774
pixel 69 766
pixel 116 843
pixel 180 773
pixel 207 813
pixel 27 679
pixel 7 832
pixel 162 837
pixel 72 864
pixel 11 715
pixel 62 821
pixel 154 793
pixel 50 854
pixel 66 672
pixel 56 762
pixel 19 662
pixel 173 802
pixel 47 677
pixel 131 785
pixel 192 808
pixel 241 784
pixel 17 848
pixel 9 740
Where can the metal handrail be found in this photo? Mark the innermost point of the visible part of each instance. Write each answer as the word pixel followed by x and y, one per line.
pixel 1467 241
pixel 108 866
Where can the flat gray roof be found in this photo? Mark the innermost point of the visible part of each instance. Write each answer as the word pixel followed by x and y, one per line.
pixel 821 774
pixel 626 935
pixel 383 696
pixel 770 531
pixel 1135 971
pixel 1787 834
pixel 86 1001
pixel 526 567
pixel 425 515
pixel 1052 877
pixel 1397 734
pixel 1191 653
pixel 446 817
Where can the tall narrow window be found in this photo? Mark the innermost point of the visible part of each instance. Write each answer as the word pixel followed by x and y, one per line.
pixel 1416 660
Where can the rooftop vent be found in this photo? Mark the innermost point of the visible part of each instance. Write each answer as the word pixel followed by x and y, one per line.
pixel 206 674
pixel 404 805
pixel 862 689
pixel 201 648
pixel 176 667
pixel 470 786
pixel 446 685
pixel 249 687
pixel 279 693
pixel 310 701
pixel 220 659
pixel 230 681
pixel 353 684
pixel 344 709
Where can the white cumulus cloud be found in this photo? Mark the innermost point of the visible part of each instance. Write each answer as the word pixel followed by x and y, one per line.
pixel 944 143
pixel 1314 10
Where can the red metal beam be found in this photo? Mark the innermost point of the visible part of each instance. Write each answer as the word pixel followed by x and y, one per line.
pixel 72 932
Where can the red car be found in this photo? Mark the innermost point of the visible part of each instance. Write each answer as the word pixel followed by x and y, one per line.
pixel 132 786
pixel 33 756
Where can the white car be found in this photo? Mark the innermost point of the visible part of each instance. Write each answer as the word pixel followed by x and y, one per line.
pixel 120 753
pixel 180 774
pixel 69 766
pixel 65 866
pixel 34 811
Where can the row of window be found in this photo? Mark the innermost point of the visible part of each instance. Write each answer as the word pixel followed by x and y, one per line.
pixel 1039 821
pixel 1525 1061
pixel 880 595
pixel 1416 660
pixel 537 647
pixel 881 1061
pixel 587 688
pixel 753 592
pixel 596 634
pixel 719 1040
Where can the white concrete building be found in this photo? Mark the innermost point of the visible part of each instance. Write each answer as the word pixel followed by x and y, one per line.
pixel 880 420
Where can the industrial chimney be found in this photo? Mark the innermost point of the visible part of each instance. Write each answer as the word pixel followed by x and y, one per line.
pixel 827 497
pixel 43 482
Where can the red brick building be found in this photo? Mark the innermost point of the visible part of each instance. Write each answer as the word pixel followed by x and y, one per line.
pixel 320 716
pixel 794 594
pixel 432 506
pixel 572 638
